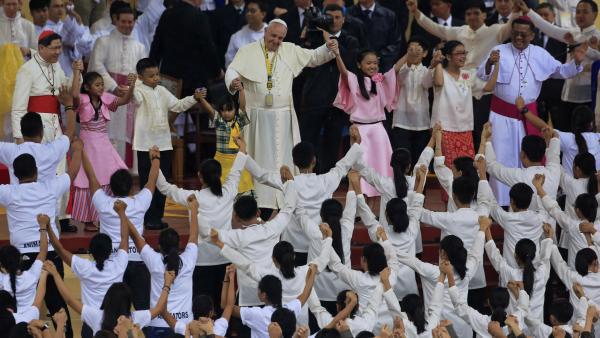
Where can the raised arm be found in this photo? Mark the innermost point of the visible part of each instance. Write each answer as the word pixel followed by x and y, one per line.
pixel 178 195
pixel 91 174
pixel 154 169
pixel 131 78
pixel 438 71
pixel 75 162
pixel 228 293
pixel 193 206
pixel 161 303
pixel 63 253
pixel 205 105
pixel 72 301
pixel 533 119
pixel 342 69
pixel 120 207
pixel 44 222
pixel 443 32
pixel 494 59
pixel 40 292
pixel 548 28
pixel 310 280
pixel 138 240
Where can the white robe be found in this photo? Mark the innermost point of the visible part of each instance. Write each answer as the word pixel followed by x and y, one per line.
pixel 18 31
pixel 71 33
pixel 273 131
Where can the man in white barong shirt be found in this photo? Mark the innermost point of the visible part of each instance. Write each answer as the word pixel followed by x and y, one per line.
pixel 114 56
pixel 523 68
pixel 253 31
pixel 273 130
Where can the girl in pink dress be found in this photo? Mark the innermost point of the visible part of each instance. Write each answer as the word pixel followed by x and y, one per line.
pixel 93 112
pixel 364 96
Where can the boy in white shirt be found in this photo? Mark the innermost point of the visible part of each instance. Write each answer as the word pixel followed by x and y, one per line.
pixel 24 201
pixel 312 189
pixel 153 104
pixel 411 121
pixel 137 276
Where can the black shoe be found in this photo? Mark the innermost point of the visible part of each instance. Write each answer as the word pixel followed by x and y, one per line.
pixel 66 226
pixel 155 226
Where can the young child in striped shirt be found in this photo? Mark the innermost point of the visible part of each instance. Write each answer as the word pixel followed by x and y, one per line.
pixel 229 119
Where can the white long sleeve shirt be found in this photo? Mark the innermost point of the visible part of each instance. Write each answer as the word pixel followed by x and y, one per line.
pixel 516 225
pixel 569 148
pixel 412 109
pixel 446 178
pixel 508 273
pixel 17 30
pixel 213 211
pixel 312 190
pixel 116 53
pixel 579 88
pixel 241 38
pixel 256 243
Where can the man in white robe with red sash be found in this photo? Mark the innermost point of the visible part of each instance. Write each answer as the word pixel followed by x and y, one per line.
pixel 523 68
pixel 114 56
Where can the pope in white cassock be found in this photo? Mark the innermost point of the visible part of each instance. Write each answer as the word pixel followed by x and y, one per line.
pixel 524 68
pixel 267 68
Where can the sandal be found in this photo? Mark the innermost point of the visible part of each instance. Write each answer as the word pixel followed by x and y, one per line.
pixel 90 227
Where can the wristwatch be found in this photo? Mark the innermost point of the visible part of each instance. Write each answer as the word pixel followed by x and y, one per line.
pixel 524 111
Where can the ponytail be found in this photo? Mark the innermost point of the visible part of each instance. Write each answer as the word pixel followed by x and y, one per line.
pixel 283 254
pixel 271 287
pixel 360 76
pixel 168 242
pixel 584 258
pixel 586 162
pixel 100 249
pixel 400 163
pixel 415 311
pixel 525 252
pixel 331 213
pixel 583 121
pixel 499 299
pixel 10 260
pixel 457 254
pixel 464 164
pixel 397 216
pixel 210 170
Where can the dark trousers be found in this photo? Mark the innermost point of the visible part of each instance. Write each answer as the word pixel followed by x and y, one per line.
pixel 413 140
pixel 481 114
pixel 137 277
pixel 331 121
pixel 53 299
pixel 155 213
pixel 208 280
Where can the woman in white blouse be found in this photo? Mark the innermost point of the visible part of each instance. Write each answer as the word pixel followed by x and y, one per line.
pixel 583 139
pixel 534 278
pixel 117 302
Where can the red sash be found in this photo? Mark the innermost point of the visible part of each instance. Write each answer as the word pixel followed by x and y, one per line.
pixel 44 104
pixel 510 110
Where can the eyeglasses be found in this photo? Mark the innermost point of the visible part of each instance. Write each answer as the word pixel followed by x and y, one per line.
pixel 521 34
pixel 54 48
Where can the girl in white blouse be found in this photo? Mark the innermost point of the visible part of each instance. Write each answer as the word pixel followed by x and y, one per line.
pixel 22 284
pixel 534 278
pixel 583 139
pixel 117 302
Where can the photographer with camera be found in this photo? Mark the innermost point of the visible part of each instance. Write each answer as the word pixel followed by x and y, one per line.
pixel 321 86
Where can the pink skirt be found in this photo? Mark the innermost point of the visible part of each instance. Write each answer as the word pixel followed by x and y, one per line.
pixel 377 152
pixel 83 209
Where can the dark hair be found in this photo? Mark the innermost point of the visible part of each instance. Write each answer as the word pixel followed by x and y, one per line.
pixel 365 334
pixel 546 5
pixel 283 253
pixel 227 102
pixel 334 8
pixel 24 166
pixel 121 182
pixel 479 4
pixel 582 122
pixel 327 333
pixel 420 41
pixel 245 207
pixel 525 252
pixel 144 64
pixel 375 257
pixel 261 5
pixel 583 259
pixel 271 286
pixel 586 162
pixel 413 306
pixel 7 301
pixel 116 303
pixel 331 213
pixel 105 334
pixel 286 320
pixel 499 299
pixel 48 40
pixel 464 189
pixel 7 320
pixel 116 6
pixel 303 155
pixel 100 248
pixel 521 194
pixel 592 4
pixel 10 260
pixel 456 252
pixel 562 310
pixel 587 205
pixel 88 79
pixel 534 147
pixel 361 76
pixel 20 331
pixel 36 5
pixel 448 48
pixel 400 163
pixel 340 300
pixel 202 306
pixel 123 10
pixel 31 125
pixel 396 213
pixel 168 242
pixel 210 170
pixel 465 165
pixel 521 21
